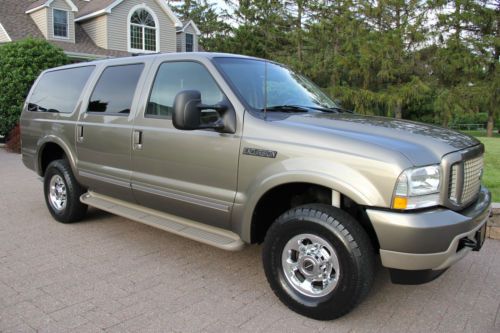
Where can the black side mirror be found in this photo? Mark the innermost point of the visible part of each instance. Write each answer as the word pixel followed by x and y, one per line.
pixel 187 113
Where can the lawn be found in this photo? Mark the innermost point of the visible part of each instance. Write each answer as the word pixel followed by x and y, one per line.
pixel 492 162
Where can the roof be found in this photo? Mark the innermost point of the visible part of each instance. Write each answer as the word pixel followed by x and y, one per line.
pixel 186 24
pixel 20 25
pixel 100 7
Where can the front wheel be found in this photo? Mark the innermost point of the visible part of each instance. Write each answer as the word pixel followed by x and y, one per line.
pixel 62 193
pixel 318 261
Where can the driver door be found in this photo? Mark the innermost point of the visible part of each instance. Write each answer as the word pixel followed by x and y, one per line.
pixel 192 174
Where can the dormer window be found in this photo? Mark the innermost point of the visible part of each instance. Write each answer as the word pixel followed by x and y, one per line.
pixel 143 34
pixel 189 42
pixel 60 23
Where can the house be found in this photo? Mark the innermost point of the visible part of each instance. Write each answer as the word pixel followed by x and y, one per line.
pixel 93 29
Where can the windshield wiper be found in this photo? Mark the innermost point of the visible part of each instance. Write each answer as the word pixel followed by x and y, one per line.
pixel 286 108
pixel 335 109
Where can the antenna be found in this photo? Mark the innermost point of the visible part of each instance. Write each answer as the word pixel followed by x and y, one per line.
pixel 265 89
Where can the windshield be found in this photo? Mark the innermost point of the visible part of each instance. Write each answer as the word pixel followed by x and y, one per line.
pixel 284 87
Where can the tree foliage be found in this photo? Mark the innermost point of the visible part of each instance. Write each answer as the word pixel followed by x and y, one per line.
pixel 20 64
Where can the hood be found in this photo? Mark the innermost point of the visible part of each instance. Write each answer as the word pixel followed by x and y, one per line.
pixel 422 144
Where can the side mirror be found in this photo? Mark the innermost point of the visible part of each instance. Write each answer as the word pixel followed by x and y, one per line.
pixel 187 113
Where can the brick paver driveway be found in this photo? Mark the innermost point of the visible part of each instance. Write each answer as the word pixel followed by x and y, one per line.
pixel 113 274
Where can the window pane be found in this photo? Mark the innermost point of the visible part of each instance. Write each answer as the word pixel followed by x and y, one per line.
pixel 142 17
pixel 136 37
pixel 60 23
pixel 115 89
pixel 174 77
pixel 58 91
pixel 189 43
pixel 149 39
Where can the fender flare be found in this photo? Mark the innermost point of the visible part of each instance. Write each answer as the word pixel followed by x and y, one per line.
pixel 42 142
pixel 243 214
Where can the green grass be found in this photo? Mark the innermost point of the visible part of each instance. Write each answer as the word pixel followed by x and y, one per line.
pixel 491 178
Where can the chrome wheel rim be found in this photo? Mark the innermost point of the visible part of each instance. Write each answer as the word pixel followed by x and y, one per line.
pixel 57 193
pixel 310 265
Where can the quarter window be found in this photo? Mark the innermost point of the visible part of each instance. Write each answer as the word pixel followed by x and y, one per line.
pixel 174 77
pixel 59 91
pixel 115 89
pixel 143 31
pixel 60 18
pixel 189 42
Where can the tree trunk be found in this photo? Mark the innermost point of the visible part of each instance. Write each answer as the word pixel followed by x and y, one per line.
pixel 489 127
pixel 299 30
pixel 398 111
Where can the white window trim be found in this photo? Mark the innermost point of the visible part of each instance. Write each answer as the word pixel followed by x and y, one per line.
pixel 157 29
pixel 67 25
pixel 2 29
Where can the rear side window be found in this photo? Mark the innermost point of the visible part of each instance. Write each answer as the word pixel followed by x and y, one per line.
pixel 115 89
pixel 59 91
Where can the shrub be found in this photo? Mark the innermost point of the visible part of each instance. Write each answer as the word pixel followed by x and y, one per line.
pixel 20 64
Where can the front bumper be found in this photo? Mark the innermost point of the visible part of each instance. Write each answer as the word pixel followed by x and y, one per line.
pixel 428 240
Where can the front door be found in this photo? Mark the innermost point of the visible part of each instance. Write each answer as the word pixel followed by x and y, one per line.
pixel 192 174
pixel 104 132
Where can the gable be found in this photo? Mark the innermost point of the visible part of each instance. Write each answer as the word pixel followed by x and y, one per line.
pixel 101 7
pixel 37 5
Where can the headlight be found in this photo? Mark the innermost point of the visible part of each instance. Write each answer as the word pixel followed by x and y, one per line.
pixel 417 188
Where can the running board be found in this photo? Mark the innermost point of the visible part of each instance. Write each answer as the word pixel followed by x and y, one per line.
pixel 203 233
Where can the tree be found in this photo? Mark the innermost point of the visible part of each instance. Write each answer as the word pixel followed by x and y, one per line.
pixel 20 64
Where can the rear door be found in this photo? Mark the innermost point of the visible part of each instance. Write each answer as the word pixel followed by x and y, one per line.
pixel 192 174
pixel 104 131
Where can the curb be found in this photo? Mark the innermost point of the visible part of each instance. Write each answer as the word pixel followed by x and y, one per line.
pixel 493 228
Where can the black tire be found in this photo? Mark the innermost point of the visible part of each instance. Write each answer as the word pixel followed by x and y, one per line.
pixel 73 209
pixel 351 245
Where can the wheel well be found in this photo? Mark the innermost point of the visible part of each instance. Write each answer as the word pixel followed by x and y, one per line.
pixel 284 197
pixel 51 152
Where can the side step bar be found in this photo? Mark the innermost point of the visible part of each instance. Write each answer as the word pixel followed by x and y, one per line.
pixel 217 237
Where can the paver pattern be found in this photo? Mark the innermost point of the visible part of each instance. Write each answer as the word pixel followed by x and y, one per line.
pixel 109 273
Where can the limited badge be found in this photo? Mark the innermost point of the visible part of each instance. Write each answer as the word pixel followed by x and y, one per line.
pixel 260 152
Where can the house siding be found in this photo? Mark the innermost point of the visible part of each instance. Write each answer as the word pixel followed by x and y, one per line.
pixel 61 4
pixel 40 19
pixel 4 37
pixel 179 38
pixel 118 26
pixel 96 29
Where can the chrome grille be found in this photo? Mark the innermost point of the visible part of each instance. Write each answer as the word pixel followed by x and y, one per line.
pixel 462 190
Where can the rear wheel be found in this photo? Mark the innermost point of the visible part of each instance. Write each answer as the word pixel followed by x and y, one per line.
pixel 62 193
pixel 318 261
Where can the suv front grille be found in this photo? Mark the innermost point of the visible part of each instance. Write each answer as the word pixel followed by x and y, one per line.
pixel 465 181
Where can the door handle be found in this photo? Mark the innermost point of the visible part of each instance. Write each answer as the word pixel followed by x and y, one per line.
pixel 137 140
pixel 79 133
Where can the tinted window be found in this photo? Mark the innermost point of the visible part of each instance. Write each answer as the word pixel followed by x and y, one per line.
pixel 115 89
pixel 58 91
pixel 173 77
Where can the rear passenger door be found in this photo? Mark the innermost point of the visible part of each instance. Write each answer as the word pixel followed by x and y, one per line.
pixel 192 174
pixel 104 131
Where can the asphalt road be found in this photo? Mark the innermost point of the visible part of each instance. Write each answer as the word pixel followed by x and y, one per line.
pixel 109 273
